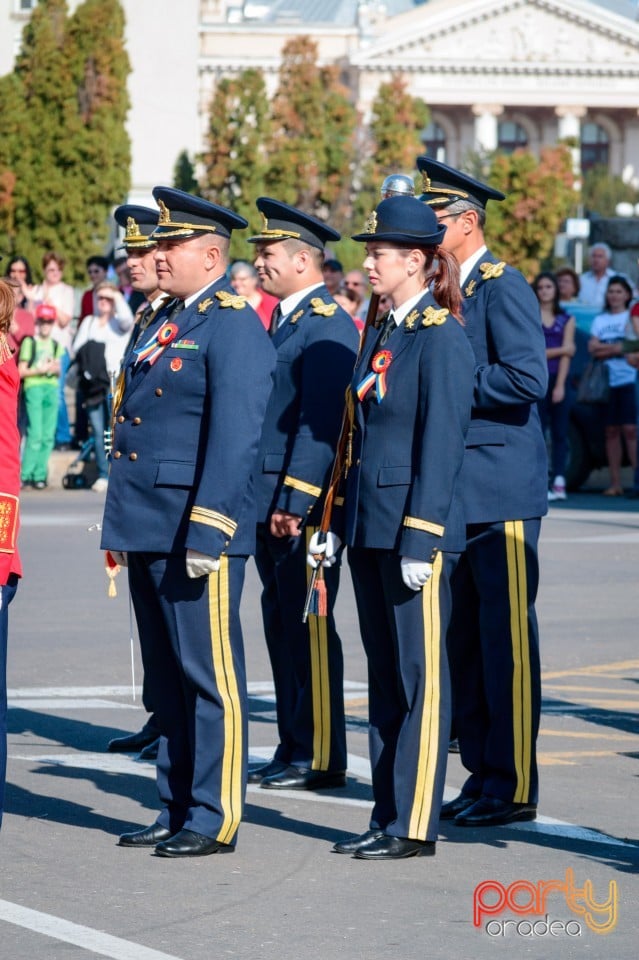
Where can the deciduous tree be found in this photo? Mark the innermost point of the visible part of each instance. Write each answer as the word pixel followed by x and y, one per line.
pixel 539 195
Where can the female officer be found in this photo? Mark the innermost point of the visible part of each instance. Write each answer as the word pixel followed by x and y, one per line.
pixel 410 394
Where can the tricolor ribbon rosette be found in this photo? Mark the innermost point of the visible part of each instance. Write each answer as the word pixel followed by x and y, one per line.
pixel 158 343
pixel 377 377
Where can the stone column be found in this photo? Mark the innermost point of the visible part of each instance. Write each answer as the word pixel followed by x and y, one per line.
pixel 486 137
pixel 569 126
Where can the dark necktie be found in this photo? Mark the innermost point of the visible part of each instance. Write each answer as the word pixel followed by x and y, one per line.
pixel 276 316
pixel 387 329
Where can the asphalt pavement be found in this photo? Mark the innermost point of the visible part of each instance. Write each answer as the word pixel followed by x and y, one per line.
pixel 67 892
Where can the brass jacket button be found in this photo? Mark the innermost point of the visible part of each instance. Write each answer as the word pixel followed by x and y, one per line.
pixel 121 419
pixel 117 455
pixel 158 391
pixel 136 421
pixel 133 456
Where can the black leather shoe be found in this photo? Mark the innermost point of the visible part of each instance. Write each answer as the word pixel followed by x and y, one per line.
pixel 301 778
pixel 187 843
pixel 358 843
pixel 150 752
pixel 134 742
pixel 492 812
pixel 395 848
pixel 145 838
pixel 257 774
pixel 450 810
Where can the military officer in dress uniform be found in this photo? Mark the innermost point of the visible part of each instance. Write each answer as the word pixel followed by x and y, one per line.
pixel 179 504
pixel 410 398
pixel 138 224
pixel 493 637
pixel 316 343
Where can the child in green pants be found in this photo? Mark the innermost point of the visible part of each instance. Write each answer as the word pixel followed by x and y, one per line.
pixel 39 369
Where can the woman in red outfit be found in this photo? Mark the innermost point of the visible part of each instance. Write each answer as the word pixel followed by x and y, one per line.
pixel 9 487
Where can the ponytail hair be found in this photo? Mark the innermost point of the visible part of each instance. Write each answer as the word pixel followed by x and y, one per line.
pixel 7 306
pixel 444 281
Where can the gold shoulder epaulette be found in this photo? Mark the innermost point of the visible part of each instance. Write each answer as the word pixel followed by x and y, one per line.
pixel 433 317
pixel 490 271
pixel 231 300
pixel 321 308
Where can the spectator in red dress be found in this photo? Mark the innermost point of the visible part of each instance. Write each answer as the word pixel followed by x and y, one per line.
pixel 10 569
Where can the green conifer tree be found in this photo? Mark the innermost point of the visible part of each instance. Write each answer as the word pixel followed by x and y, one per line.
pixel 184 174
pixel 70 162
pixel 392 143
pixel 235 157
pixel 312 149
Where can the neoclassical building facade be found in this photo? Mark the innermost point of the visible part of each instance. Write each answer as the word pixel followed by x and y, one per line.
pixel 495 73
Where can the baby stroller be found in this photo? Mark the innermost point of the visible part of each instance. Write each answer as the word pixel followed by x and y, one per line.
pixel 75 478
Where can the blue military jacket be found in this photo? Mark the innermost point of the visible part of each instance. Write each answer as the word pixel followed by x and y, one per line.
pixel 316 349
pixel 186 434
pixel 400 491
pixel 505 474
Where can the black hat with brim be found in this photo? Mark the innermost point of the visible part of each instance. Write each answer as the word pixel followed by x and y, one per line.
pixel 403 220
pixel 283 222
pixel 138 223
pixel 442 185
pixel 183 216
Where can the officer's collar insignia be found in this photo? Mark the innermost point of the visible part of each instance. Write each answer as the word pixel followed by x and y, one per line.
pixel 230 300
pixel 490 271
pixel 371 223
pixel 433 317
pixel 470 288
pixel 411 319
pixel 322 308
pixel 204 305
pixel 296 316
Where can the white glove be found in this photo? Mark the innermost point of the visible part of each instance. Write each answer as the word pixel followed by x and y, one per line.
pixel 330 549
pixel 120 557
pixel 200 564
pixel 415 573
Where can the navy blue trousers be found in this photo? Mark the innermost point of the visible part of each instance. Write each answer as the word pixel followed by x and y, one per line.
pixel 306 658
pixel 493 648
pixel 404 636
pixel 193 659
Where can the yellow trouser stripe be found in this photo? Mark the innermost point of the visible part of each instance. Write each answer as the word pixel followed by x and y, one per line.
pixel 522 694
pixel 320 681
pixel 231 785
pixel 429 732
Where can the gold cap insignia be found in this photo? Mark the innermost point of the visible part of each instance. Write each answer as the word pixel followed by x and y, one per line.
pixel 371 223
pixel 132 229
pixel 490 271
pixel 165 214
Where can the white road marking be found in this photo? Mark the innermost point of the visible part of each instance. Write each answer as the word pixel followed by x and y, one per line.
pixel 357 766
pixel 94 941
